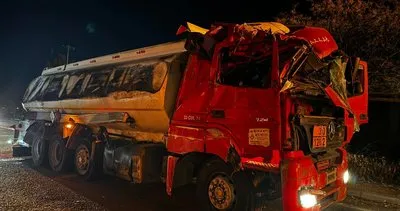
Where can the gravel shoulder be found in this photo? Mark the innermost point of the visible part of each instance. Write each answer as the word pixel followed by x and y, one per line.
pixel 25 189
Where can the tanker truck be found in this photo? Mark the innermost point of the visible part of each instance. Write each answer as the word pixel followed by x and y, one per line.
pixel 248 112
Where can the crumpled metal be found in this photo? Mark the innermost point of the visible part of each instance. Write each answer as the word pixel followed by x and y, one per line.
pixel 337 70
pixel 194 28
pixel 270 27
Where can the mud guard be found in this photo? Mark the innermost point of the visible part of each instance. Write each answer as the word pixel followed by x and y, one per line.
pixel 171 164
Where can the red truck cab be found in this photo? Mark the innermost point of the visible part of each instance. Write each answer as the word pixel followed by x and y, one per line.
pixel 265 113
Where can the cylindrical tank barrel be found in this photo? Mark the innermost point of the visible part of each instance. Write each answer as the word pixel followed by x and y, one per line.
pixel 144 90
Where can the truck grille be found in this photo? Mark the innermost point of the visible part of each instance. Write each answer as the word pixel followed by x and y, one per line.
pixel 322 132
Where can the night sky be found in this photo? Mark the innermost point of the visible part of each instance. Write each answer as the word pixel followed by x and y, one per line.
pixel 34 32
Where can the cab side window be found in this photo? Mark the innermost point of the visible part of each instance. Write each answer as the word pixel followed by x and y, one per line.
pixel 241 69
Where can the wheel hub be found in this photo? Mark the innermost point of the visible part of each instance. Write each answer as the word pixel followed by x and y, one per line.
pixel 221 193
pixel 82 158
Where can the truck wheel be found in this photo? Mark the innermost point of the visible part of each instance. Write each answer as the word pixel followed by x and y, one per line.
pixel 39 145
pixel 59 156
pixel 86 167
pixel 218 190
pixel 82 159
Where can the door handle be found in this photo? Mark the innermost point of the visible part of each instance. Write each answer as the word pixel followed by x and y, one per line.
pixel 218 113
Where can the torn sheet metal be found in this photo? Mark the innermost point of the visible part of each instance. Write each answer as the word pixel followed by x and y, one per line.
pixel 269 27
pixel 337 70
pixel 288 85
pixel 321 40
pixel 328 79
pixel 195 28
pixel 201 40
pixel 338 81
pixel 320 70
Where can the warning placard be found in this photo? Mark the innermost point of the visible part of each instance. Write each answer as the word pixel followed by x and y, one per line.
pixel 259 137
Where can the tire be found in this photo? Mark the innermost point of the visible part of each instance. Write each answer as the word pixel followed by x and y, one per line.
pixel 60 158
pixel 39 147
pixel 85 167
pixel 218 189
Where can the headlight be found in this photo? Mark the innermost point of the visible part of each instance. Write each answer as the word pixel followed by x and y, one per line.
pixel 308 200
pixel 346 176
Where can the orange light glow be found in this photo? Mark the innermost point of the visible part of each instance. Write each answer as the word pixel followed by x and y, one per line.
pixel 69 126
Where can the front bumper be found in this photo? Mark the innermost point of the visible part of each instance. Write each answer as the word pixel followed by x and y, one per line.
pixel 299 174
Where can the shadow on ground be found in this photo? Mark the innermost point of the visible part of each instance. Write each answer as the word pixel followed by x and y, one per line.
pixel 116 194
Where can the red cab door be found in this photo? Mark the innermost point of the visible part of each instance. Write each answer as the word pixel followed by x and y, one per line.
pixel 244 104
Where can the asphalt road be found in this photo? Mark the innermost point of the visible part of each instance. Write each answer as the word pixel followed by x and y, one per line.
pixel 23 187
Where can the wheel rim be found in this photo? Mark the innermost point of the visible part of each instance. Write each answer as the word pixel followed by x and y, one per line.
pixel 82 160
pixel 221 192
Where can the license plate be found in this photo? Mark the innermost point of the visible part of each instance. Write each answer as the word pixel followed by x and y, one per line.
pixel 319 136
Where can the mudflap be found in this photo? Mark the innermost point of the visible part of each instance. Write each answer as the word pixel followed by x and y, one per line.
pixel 21 151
